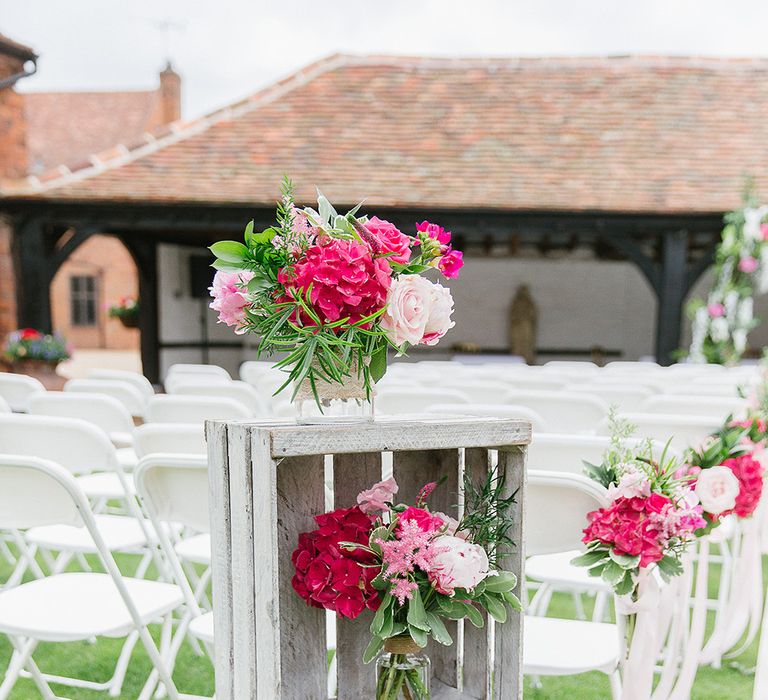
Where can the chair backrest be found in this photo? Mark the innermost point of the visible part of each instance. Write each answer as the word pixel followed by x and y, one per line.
pixel 182 368
pixel 572 365
pixel 538 424
pixel 564 412
pixel 17 389
pixel 4 407
pixel 567 453
pixel 684 431
pixel 718 407
pixel 102 410
pixel 556 510
pixel 175 488
pixel 627 397
pixel 127 394
pixel 169 438
pixel 194 409
pixel 631 367
pixel 478 391
pixel 415 400
pixel 251 370
pixel 72 443
pixel 138 380
pixel 539 381
pixel 238 390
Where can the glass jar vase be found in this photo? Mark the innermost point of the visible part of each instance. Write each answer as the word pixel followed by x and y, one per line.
pixel 402 671
pixel 345 402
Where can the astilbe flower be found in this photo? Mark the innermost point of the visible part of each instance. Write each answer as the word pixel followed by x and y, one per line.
pixel 330 576
pixel 347 282
pixel 641 526
pixel 749 472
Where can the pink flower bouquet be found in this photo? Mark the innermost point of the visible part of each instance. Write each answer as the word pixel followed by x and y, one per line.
pixel 653 516
pixel 413 567
pixel 333 291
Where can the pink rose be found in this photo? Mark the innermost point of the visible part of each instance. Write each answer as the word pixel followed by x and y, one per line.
pixel 418 311
pixel 426 521
pixel 716 310
pixel 451 262
pixel 390 240
pixel 717 489
pixel 748 264
pixel 229 299
pixel 457 564
pixel 375 499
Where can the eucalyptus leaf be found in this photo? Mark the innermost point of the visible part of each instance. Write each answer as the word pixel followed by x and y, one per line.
pixel 475 616
pixel 439 632
pixel 624 560
pixel 612 573
pixel 417 616
pixel 229 251
pixel 494 607
pixel 421 637
pixel 589 558
pixel 372 650
pixel 502 582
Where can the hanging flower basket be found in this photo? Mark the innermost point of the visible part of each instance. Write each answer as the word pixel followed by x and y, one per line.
pixel 126 311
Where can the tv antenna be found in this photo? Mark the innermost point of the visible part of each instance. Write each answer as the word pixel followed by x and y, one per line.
pixel 165 26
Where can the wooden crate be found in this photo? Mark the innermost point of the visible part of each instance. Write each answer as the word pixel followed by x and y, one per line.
pixel 267 481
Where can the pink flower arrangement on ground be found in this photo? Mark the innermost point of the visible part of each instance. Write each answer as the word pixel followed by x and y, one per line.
pixel 335 291
pixel 412 565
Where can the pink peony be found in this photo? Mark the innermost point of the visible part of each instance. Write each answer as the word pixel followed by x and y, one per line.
pixel 418 311
pixel 390 240
pixel 451 262
pixel 437 233
pixel 346 281
pixel 631 485
pixel 375 499
pixel 229 299
pixel 457 564
pixel 716 310
pixel 748 264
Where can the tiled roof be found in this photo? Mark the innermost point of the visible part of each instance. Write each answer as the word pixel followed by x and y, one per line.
pixel 632 134
pixel 66 128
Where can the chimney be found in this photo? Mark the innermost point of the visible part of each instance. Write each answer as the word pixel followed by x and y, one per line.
pixel 16 62
pixel 170 95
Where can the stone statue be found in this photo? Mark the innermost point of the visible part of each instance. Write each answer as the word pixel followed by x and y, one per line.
pixel 523 317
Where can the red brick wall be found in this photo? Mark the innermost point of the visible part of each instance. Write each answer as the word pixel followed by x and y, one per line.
pixel 106 259
pixel 7 286
pixel 13 146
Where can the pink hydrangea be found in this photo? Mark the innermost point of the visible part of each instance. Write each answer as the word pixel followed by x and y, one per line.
pixel 389 239
pixel 347 282
pixel 451 262
pixel 749 472
pixel 748 264
pixel 229 299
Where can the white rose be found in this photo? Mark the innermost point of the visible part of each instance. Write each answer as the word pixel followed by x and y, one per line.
pixel 459 564
pixel 717 489
pixel 418 311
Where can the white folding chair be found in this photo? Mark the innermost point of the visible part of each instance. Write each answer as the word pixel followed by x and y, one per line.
pixel 102 410
pixel 174 489
pixel 74 606
pixel 194 409
pixel 4 407
pixel 557 647
pixel 626 397
pixel 478 391
pixel 236 389
pixel 17 389
pixel 564 412
pixel 127 394
pixel 538 424
pixel 684 431
pixel 716 407
pixel 404 401
pixel 200 373
pixel 138 380
pixel 252 370
pixel 170 438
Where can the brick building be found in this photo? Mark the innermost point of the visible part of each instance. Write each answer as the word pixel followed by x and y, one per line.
pixel 63 130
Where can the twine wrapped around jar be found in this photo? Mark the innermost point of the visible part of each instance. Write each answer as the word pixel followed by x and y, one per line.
pixel 402 644
pixel 353 387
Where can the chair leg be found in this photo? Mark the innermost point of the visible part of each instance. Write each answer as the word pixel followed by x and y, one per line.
pixel 18 661
pixel 38 678
pixel 615 679
pixel 116 684
pixel 160 669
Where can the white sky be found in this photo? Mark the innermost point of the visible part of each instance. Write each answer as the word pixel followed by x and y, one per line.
pixel 226 49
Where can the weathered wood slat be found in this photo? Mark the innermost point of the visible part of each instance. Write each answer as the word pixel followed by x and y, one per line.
pixel 412 470
pixel 398 434
pixel 476 667
pixel 244 667
pixel 303 658
pixel 221 544
pixel 353 473
pixel 508 654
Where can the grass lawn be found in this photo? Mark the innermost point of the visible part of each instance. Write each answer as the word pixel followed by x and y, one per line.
pixel 194 674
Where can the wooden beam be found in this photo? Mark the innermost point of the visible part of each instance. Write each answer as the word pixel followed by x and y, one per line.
pixel 32 265
pixel 671 295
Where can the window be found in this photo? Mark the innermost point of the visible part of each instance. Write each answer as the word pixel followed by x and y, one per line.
pixel 82 300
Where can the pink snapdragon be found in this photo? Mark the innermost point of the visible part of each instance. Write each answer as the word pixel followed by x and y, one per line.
pixel 435 232
pixel 748 264
pixel 229 299
pixel 451 263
